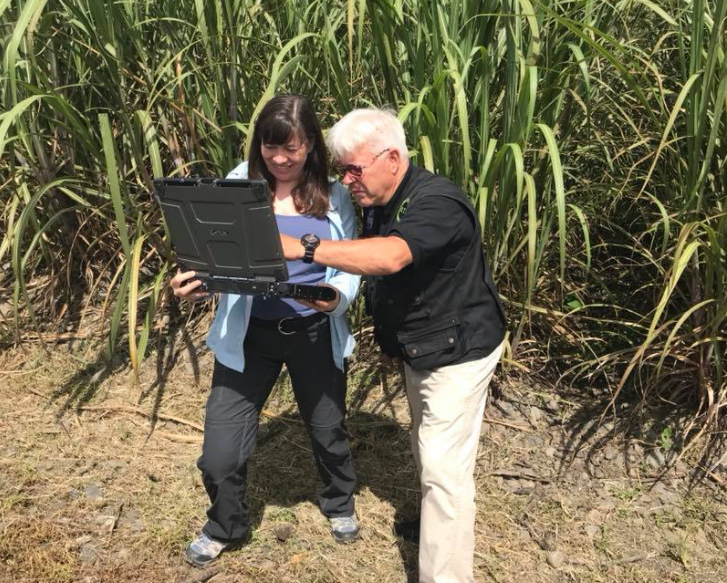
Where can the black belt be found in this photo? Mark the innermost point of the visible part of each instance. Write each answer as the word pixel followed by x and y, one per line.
pixel 290 325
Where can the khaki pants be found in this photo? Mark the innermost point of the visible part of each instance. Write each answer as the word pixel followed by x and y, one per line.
pixel 447 405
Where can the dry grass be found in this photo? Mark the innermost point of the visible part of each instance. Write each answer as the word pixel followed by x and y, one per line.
pixel 56 527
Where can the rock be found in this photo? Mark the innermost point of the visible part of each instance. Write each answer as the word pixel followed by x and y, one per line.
pixel 533 442
pixel 549 541
pixel 644 511
pixel 593 516
pixel 46 466
pixel 283 531
pixel 535 415
pixel 507 409
pixel 550 451
pixel 656 459
pixel 267 565
pixel 93 492
pixel 82 540
pixel 123 555
pixel 592 530
pixel 131 519
pixel 610 453
pixel 674 537
pixel 553 406
pixel 88 554
pixel 555 559
pixel 106 523
pixel 511 486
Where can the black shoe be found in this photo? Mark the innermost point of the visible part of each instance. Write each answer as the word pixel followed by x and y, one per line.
pixel 408 530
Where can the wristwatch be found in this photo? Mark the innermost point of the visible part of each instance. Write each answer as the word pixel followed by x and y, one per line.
pixel 310 242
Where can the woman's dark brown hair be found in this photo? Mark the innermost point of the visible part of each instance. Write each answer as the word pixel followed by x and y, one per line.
pixel 285 117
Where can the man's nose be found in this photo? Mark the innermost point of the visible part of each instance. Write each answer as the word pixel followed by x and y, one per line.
pixel 347 179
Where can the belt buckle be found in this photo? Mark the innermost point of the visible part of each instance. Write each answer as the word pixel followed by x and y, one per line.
pixel 280 327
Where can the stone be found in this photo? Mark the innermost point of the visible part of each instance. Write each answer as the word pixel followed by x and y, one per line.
pixel 549 541
pixel 674 537
pixel 533 441
pixel 511 485
pixel 553 406
pixel 131 519
pixel 656 459
pixel 283 531
pixel 93 492
pixel 123 555
pixel 593 516
pixel 610 453
pixel 82 540
pixel 88 554
pixel 592 530
pixel 507 408
pixel 550 451
pixel 535 414
pixel 555 559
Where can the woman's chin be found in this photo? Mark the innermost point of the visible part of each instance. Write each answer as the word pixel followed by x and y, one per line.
pixel 287 175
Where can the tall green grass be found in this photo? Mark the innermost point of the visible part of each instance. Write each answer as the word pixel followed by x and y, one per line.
pixel 589 136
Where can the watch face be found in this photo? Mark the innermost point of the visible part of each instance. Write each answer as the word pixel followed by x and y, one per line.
pixel 310 239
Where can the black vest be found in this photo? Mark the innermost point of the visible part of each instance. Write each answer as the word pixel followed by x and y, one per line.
pixel 442 312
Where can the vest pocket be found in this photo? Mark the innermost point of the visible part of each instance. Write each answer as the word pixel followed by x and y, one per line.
pixel 432 347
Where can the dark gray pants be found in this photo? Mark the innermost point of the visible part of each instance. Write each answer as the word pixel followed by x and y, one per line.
pixel 231 422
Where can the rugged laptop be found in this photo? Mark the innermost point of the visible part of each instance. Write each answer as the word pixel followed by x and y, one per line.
pixel 225 230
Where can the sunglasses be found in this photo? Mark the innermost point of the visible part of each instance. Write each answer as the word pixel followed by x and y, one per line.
pixel 355 170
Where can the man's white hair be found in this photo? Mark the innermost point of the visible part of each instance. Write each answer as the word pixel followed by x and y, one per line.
pixel 373 129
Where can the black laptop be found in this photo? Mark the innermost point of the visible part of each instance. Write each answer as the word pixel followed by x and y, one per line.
pixel 225 230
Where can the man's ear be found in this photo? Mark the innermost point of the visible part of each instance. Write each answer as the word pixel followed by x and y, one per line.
pixel 394 158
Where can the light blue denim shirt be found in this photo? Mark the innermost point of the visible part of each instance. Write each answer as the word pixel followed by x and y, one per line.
pixel 227 334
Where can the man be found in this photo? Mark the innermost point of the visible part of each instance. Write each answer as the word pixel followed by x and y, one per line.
pixel 435 307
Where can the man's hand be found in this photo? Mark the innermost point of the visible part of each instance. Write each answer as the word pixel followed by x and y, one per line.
pixel 184 287
pixel 292 248
pixel 322 305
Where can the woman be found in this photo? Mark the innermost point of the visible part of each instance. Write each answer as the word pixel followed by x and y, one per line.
pixel 252 337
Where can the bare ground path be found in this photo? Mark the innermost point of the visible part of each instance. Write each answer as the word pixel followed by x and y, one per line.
pixel 98 483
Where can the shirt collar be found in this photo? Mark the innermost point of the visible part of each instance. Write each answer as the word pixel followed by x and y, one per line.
pixel 393 205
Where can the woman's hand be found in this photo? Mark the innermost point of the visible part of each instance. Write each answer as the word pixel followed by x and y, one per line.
pixel 184 289
pixel 322 305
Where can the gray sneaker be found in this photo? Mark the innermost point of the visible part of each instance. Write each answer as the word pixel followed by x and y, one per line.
pixel 205 550
pixel 345 529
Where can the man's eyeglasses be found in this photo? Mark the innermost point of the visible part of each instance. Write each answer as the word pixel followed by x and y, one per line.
pixel 356 170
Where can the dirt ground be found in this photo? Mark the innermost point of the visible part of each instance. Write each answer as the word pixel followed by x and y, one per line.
pixel 98 483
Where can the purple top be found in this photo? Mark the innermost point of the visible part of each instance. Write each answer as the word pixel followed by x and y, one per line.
pixel 298 272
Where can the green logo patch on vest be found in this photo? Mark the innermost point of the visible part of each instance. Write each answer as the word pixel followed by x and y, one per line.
pixel 402 209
